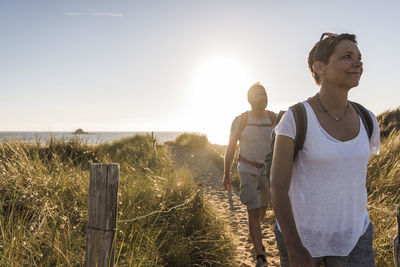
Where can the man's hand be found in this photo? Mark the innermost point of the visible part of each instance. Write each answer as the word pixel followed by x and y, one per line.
pixel 227 183
pixel 300 257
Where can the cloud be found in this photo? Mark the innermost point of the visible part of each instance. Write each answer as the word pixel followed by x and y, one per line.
pixel 94 14
pixel 74 14
pixel 107 14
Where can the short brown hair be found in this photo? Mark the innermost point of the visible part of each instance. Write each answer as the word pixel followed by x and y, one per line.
pixel 324 49
pixel 254 87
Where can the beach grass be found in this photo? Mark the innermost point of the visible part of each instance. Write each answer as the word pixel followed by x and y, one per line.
pixel 383 185
pixel 43 206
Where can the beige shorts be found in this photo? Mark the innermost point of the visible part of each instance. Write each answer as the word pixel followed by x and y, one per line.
pixel 254 190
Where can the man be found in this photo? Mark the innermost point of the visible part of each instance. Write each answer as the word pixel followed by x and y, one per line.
pixel 252 129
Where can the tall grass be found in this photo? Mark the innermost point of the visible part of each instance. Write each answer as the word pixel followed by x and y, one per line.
pixel 43 206
pixel 383 186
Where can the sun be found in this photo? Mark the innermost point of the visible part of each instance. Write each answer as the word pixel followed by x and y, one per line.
pixel 218 94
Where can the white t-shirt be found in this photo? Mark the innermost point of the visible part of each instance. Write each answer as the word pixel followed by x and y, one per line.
pixel 328 188
pixel 254 142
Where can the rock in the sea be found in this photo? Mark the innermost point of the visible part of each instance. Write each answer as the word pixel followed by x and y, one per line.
pixel 80 131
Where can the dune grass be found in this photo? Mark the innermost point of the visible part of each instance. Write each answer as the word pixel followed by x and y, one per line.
pixel 43 206
pixel 383 185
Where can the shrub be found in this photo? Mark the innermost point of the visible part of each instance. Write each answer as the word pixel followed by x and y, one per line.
pixel 389 121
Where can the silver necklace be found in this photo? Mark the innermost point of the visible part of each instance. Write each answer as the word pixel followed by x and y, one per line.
pixel 330 114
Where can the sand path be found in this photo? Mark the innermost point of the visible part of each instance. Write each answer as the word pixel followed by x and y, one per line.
pixel 229 208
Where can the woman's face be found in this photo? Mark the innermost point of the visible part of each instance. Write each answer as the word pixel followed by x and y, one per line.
pixel 344 68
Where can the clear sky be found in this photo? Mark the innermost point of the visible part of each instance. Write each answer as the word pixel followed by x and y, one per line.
pixel 178 65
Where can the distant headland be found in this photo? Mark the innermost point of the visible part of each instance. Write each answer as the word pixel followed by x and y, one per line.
pixel 80 131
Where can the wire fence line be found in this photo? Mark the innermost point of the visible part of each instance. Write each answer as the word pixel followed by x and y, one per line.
pixel 161 211
pixel 188 201
pixel 219 154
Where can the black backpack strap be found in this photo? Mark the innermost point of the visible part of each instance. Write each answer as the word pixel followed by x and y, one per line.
pixel 279 117
pixel 276 121
pixel 365 117
pixel 269 156
pixel 300 118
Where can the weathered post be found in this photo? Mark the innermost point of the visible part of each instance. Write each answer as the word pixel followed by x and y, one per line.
pixel 154 146
pixel 396 244
pixel 102 214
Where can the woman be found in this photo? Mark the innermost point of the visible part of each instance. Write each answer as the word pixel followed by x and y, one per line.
pixel 320 197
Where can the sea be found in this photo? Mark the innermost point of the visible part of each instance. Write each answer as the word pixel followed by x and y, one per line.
pixel 91 138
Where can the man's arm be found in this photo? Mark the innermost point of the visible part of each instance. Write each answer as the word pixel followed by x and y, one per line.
pixel 228 160
pixel 281 177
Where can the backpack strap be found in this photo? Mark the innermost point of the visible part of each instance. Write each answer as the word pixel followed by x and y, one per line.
pixel 279 117
pixel 260 124
pixel 276 121
pixel 244 117
pixel 273 136
pixel 251 163
pixel 272 116
pixel 300 118
pixel 243 121
pixel 365 117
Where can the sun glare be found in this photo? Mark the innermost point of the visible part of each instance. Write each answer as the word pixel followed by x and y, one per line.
pixel 218 95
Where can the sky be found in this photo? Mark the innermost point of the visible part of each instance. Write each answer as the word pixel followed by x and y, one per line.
pixel 168 65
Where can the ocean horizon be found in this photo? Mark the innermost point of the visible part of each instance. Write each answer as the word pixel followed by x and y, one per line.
pixel 91 138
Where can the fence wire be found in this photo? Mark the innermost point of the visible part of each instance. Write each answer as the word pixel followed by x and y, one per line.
pixel 161 211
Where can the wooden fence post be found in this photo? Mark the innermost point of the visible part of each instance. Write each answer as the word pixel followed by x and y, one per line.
pixel 102 214
pixel 396 243
pixel 154 145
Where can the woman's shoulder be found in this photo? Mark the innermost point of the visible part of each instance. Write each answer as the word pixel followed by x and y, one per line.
pixel 286 125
